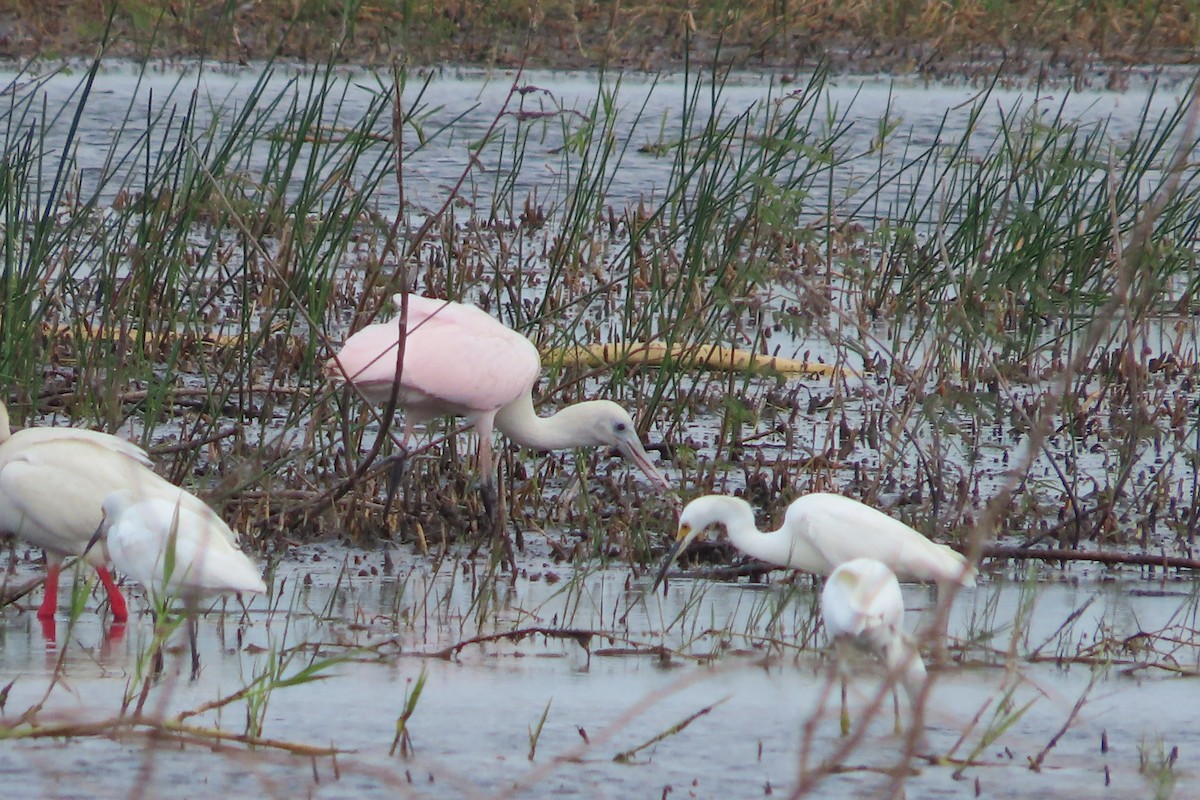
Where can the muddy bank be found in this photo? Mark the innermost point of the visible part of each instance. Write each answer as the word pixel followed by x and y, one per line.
pixel 1099 46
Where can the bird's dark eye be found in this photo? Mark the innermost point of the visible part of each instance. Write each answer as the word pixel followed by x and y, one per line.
pixel 620 427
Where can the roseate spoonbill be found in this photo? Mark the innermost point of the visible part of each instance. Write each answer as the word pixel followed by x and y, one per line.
pixel 821 532
pixel 459 361
pixel 861 605
pixel 52 484
pixel 175 548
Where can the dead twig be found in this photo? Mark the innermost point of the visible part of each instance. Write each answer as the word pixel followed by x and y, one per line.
pixel 582 638
pixel 152 727
pixel 1099 556
pixel 11 596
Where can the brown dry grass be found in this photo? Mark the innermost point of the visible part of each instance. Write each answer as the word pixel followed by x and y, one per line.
pixel 928 36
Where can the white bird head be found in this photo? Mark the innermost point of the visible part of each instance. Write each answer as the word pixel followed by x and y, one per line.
pixel 114 504
pixel 700 516
pixel 603 423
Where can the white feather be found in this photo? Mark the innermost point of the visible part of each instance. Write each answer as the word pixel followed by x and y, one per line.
pixel 147 535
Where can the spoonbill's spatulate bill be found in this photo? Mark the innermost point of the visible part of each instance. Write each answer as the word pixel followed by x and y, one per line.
pixel 820 532
pixel 861 606
pixel 459 361
pixel 52 484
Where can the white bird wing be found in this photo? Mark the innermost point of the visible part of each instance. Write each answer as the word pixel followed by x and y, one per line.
pixel 31 436
pixel 135 548
pixel 161 489
pixel 51 491
pixel 55 526
pixel 204 559
pixel 207 562
pixel 863 597
pixel 840 529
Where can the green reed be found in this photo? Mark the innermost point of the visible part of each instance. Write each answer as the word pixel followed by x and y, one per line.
pixel 190 290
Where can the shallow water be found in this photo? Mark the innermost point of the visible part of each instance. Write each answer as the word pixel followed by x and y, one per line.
pixel 126 103
pixel 471 727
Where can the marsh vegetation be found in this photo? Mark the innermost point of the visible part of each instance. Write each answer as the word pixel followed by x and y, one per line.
pixel 993 288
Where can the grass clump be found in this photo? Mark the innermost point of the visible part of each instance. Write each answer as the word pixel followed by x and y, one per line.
pixel 1094 41
pixel 187 282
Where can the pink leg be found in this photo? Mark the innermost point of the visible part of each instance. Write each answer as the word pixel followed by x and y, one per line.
pixel 115 601
pixel 50 602
pixel 486 470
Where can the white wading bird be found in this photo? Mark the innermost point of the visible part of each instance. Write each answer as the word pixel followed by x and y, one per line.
pixel 52 484
pixel 861 606
pixel 176 549
pixel 820 533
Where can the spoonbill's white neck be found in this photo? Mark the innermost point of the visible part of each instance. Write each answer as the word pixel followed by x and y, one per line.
pixel 571 427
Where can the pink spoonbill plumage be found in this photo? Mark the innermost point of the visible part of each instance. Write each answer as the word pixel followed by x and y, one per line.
pixel 460 361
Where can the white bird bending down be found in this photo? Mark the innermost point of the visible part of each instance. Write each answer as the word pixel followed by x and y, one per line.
pixel 821 532
pixel 146 535
pixel 52 484
pixel 861 605
pixel 175 548
pixel 459 361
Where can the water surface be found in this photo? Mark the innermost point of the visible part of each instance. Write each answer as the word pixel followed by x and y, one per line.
pixel 770 700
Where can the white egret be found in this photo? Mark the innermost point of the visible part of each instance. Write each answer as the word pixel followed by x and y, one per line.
pixel 820 532
pixel 861 606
